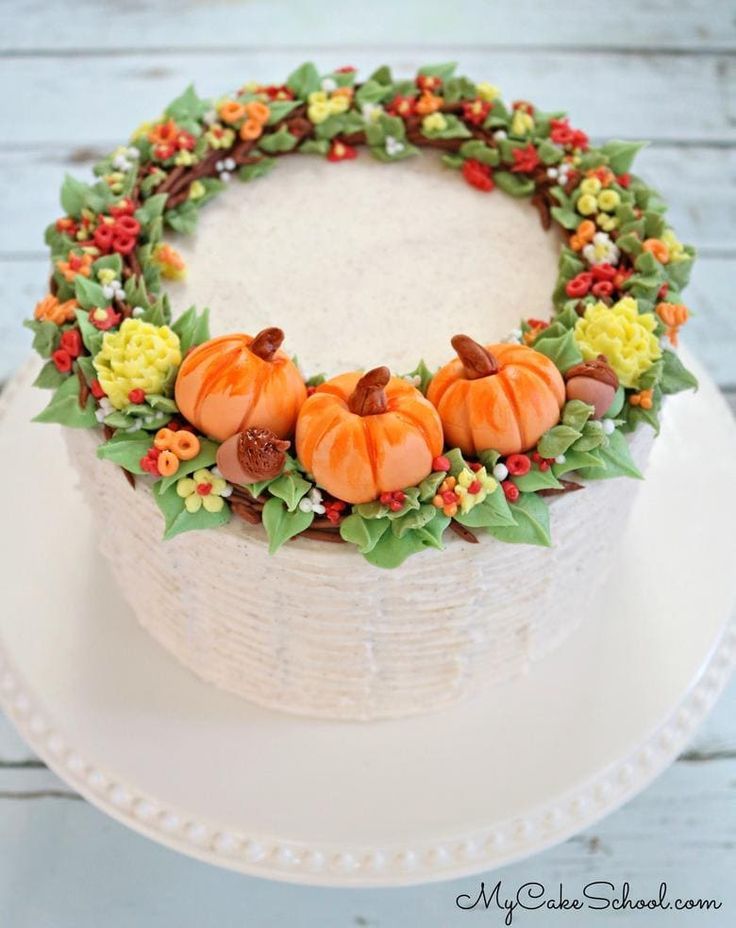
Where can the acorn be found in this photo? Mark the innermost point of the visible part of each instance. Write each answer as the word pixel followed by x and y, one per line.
pixel 593 382
pixel 251 456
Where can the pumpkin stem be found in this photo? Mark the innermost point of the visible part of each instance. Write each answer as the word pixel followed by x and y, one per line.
pixel 267 343
pixel 477 361
pixel 369 397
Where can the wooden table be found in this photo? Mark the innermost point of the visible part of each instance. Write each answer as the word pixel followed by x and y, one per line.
pixel 75 78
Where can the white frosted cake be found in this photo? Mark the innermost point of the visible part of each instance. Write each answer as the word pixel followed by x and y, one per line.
pixel 351 533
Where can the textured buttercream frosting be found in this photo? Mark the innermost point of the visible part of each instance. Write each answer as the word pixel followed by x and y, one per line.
pixel 361 264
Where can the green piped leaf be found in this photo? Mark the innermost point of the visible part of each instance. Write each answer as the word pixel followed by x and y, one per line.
pixel 258 169
pixel 193 328
pixel 291 488
pixel 126 449
pixel 562 350
pixel 281 525
pixel 205 458
pixel 616 459
pixel 514 184
pixel 532 523
pixel 365 533
pixel 178 519
pixel 675 376
pixel 304 80
pixel 494 511
pixel 279 141
pixel 64 407
pixel 537 479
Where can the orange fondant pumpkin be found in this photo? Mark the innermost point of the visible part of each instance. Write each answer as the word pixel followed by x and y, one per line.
pixel 363 435
pixel 236 382
pixel 503 397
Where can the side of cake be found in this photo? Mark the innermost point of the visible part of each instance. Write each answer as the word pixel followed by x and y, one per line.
pixel 414 468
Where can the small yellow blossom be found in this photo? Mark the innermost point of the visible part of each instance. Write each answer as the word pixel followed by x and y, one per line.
pixel 522 123
pixel 606 222
pixel 488 92
pixel 472 487
pixel 587 204
pixel 674 245
pixel 139 355
pixel 184 159
pixel 625 336
pixel 106 275
pixel 435 122
pixel 196 190
pixel 318 112
pixel 317 96
pixel 338 103
pixel 220 137
pixel 591 185
pixel 608 200
pixel 202 490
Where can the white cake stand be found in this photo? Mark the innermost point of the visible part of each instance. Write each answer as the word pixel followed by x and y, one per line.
pixel 387 803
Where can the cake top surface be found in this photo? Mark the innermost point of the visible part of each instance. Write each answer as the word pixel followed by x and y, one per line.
pixel 361 266
pixel 546 285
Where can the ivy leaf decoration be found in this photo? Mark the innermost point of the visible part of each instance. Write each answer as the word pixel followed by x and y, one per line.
pixel 616 459
pixel 513 184
pixel 49 377
pixel 454 129
pixel 494 511
pixel 291 488
pixel 304 80
pixel 91 336
pixel 258 169
pixel 429 486
pixel 621 155
pixel 391 550
pixel 281 525
pixel 414 519
pixel 532 523
pixel 279 141
pixel 445 70
pixel 73 196
pixel 64 407
pixel 424 374
pixel 562 350
pixel 126 449
pixel 537 479
pixel 45 336
pixel 192 328
pixel 479 151
pixel 575 460
pixel 675 376
pixel 557 440
pixel 280 109
pixel 89 294
pixel 364 533
pixel 188 107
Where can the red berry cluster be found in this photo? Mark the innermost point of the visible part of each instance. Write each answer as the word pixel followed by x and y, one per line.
pixel 137 396
pixel 70 347
pixel 510 490
pixel 334 509
pixel 395 500
pixel 149 461
pixel 542 463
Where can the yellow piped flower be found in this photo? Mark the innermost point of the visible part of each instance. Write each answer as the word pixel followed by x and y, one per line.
pixel 488 92
pixel 202 489
pixel 522 123
pixel 608 200
pixel 435 122
pixel 196 190
pixel 338 103
pixel 169 262
pixel 482 483
pixel 591 185
pixel 587 204
pixel 674 246
pixel 318 111
pixel 139 355
pixel 625 336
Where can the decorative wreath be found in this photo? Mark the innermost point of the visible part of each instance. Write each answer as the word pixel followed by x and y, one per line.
pixel 384 462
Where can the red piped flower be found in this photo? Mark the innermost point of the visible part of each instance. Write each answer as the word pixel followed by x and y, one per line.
pixel 603 272
pixel 441 463
pixel 104 318
pixel 137 396
pixel 394 500
pixel 402 106
pixel 476 111
pixel 334 509
pixel 478 175
pixel 346 69
pixel 580 285
pixel 518 464
pixel 67 225
pixel 526 159
pixel 339 151
pixel 602 289
pixel 95 388
pixel 71 342
pixel 124 207
pixel 562 133
pixel 624 180
pixel 63 360
pixel 428 83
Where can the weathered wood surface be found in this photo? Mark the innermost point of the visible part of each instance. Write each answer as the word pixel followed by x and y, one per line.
pixel 76 78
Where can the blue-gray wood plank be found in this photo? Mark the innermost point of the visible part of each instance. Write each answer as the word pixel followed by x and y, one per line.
pixel 76 77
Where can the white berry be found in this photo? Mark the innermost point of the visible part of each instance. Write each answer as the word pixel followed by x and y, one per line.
pixel 609 426
pixel 500 471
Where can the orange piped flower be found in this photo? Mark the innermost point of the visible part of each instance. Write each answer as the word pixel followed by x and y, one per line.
pixel 169 262
pixel 251 130
pixel 74 265
pixel 582 235
pixel 258 112
pixel 231 111
pixel 674 316
pixel 658 248
pixel 428 103
pixel 49 309
pixel 163 132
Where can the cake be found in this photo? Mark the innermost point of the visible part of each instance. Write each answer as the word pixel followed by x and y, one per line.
pixel 378 464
